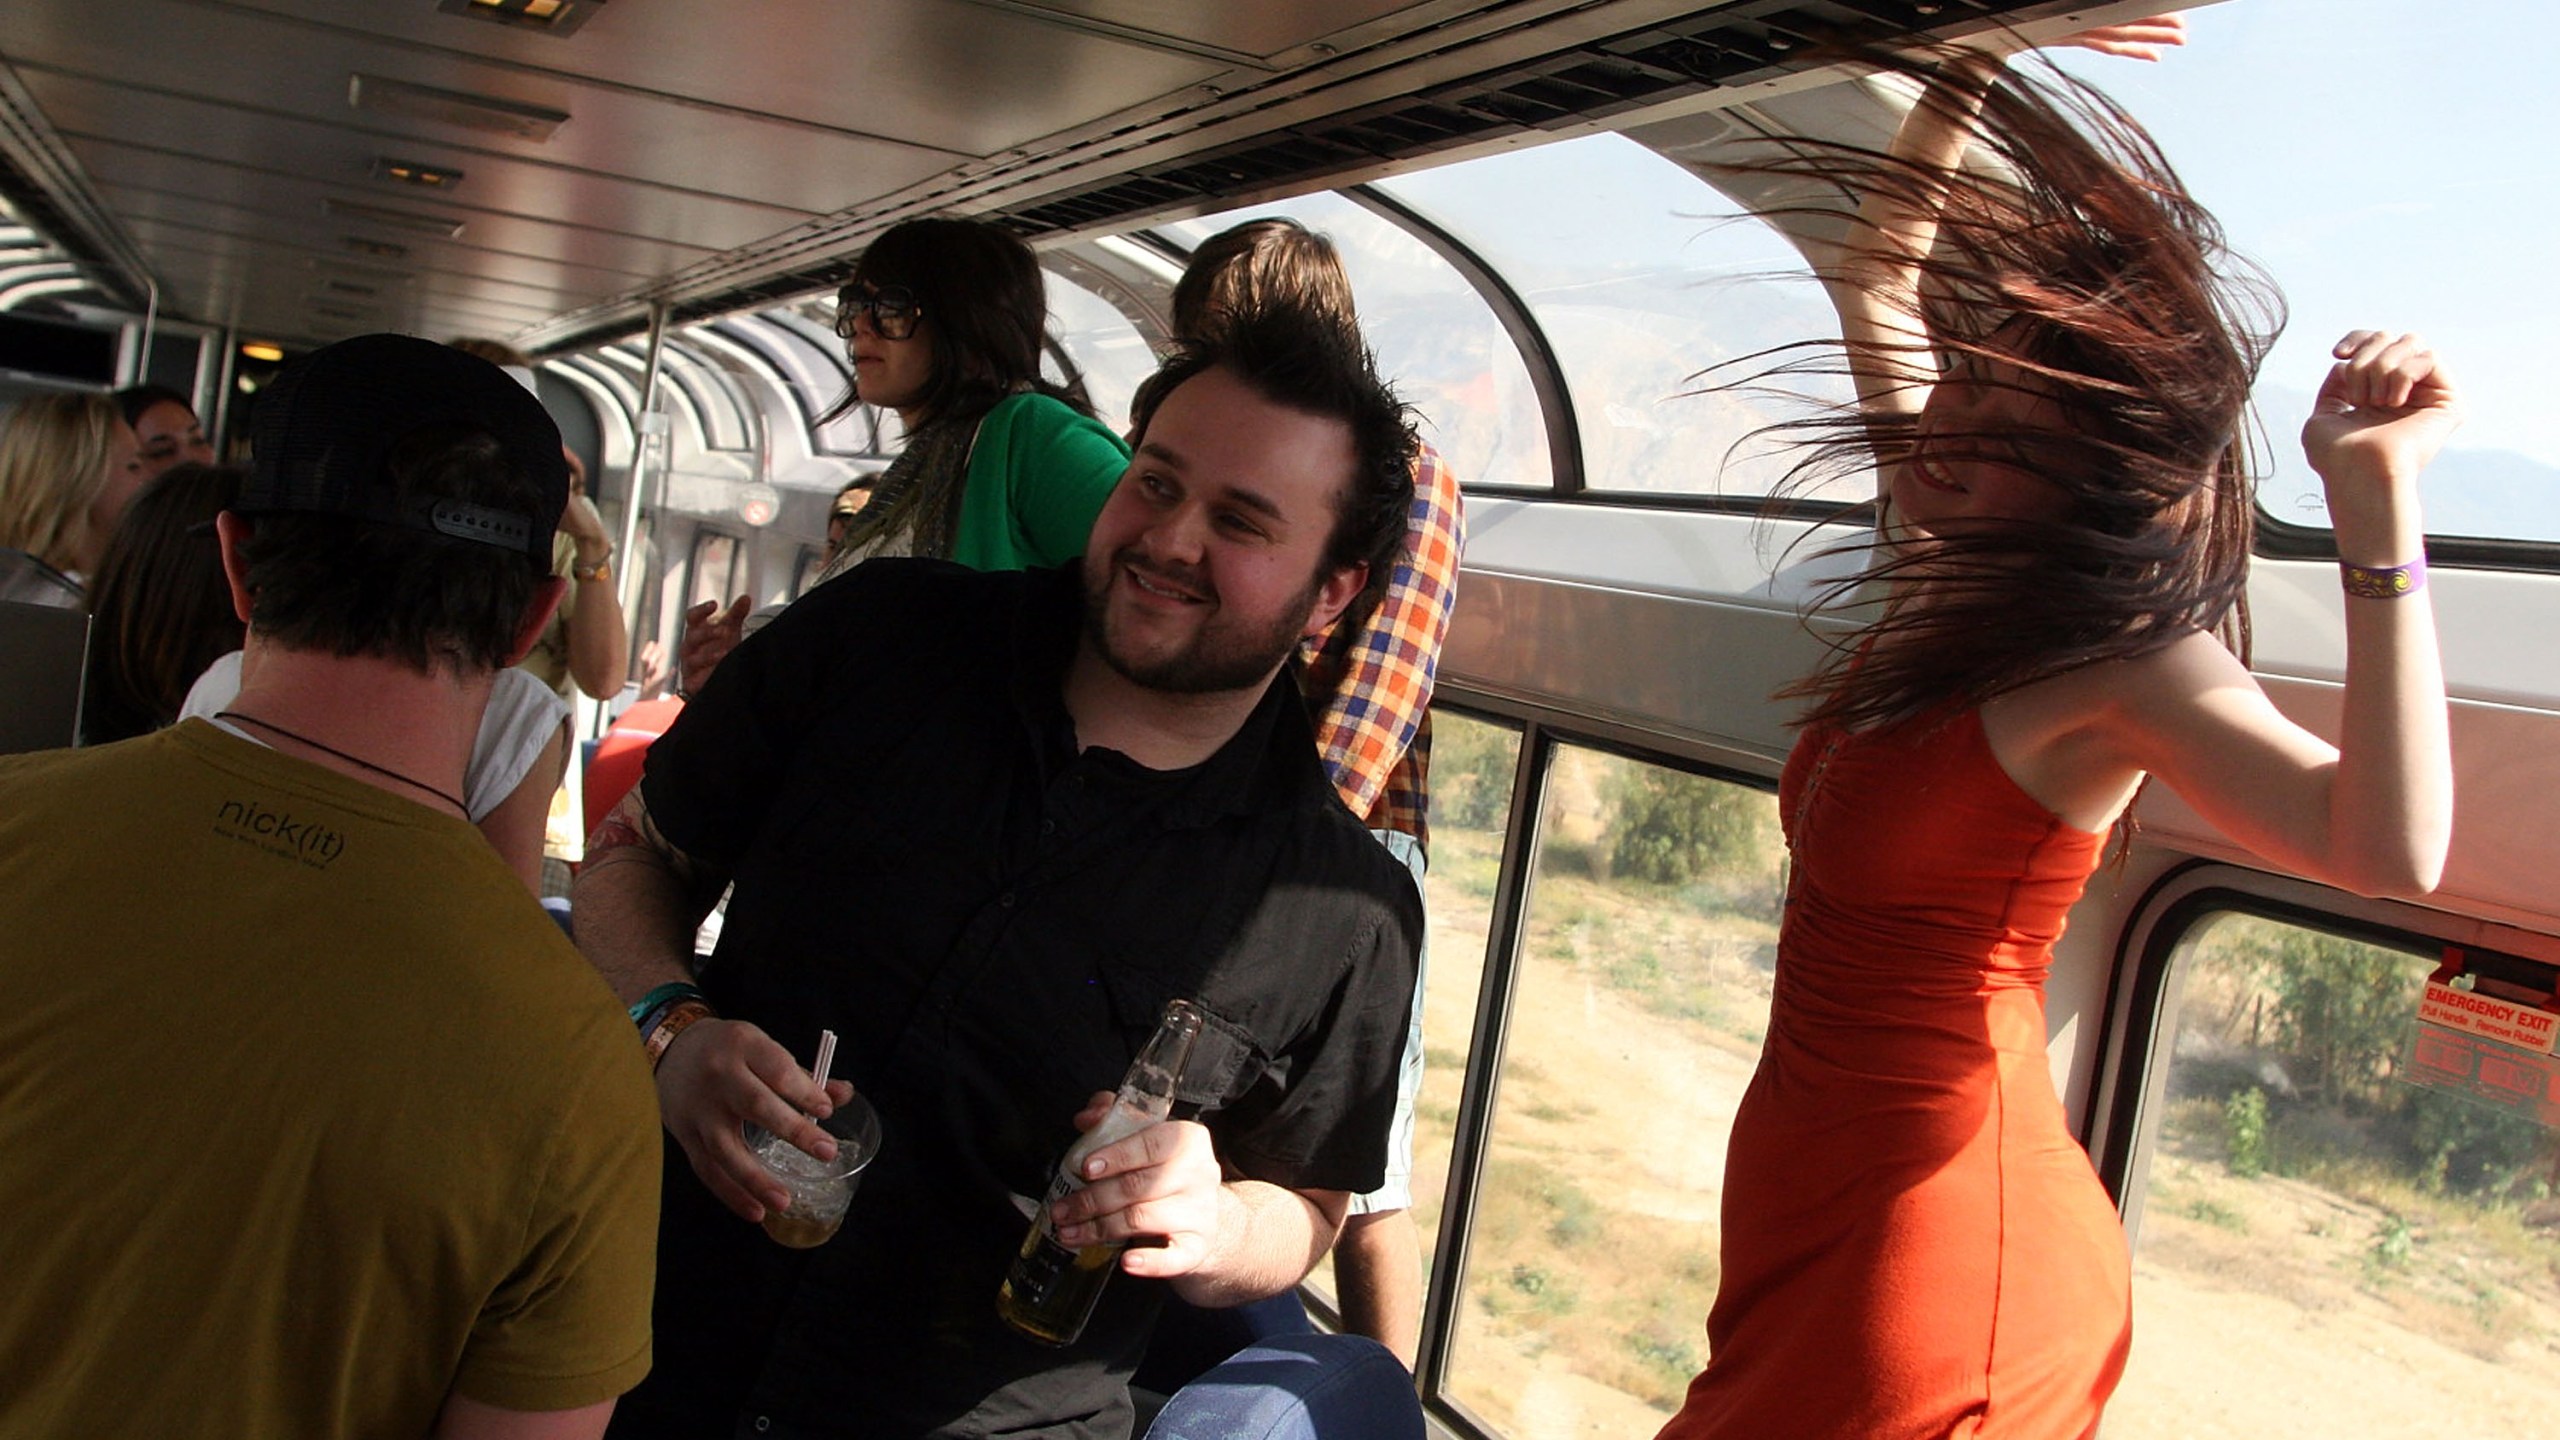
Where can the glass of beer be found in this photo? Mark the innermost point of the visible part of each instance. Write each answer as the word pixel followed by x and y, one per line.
pixel 820 1189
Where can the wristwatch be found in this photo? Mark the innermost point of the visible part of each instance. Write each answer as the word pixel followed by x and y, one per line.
pixel 601 570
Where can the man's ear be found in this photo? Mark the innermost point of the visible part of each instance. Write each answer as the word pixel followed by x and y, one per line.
pixel 537 613
pixel 1334 596
pixel 229 530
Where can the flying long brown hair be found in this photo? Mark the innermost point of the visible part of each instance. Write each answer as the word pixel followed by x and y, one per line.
pixel 2076 265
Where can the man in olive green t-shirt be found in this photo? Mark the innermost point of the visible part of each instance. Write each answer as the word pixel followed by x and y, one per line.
pixel 311 1123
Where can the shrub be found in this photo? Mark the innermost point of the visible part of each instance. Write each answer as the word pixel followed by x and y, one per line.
pixel 1671 828
pixel 1470 774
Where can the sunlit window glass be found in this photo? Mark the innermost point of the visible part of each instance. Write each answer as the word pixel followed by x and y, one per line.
pixel 1642 996
pixel 2326 1248
pixel 1642 277
pixel 1104 345
pixel 1436 340
pixel 1472 762
pixel 2414 225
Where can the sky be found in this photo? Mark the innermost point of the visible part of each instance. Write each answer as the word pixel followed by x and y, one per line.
pixel 2393 165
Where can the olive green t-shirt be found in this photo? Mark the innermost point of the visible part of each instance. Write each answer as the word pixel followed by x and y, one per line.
pixel 308 1114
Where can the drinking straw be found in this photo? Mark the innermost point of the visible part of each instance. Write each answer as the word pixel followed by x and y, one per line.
pixel 826 1057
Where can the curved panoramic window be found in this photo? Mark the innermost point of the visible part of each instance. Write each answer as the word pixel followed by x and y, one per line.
pixel 2411 225
pixel 1105 346
pixel 1436 339
pixel 1642 277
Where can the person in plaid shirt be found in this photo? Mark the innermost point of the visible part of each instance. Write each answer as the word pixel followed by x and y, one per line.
pixel 1368 686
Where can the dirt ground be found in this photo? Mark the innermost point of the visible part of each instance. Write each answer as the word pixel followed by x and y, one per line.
pixel 2263 1319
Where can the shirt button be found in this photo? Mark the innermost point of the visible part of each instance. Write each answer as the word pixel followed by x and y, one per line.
pixel 763 1423
pixel 1005 899
pixel 1048 827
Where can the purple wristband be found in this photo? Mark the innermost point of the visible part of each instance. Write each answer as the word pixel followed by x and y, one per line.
pixel 2385 583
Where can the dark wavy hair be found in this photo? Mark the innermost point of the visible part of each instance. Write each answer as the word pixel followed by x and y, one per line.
pixel 160 609
pixel 351 587
pixel 1302 360
pixel 2069 257
pixel 979 296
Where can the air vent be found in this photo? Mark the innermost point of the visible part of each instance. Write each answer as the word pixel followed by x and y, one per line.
pixel 385 96
pixel 414 172
pixel 1725 45
pixel 355 288
pixel 551 17
pixel 442 226
pixel 378 249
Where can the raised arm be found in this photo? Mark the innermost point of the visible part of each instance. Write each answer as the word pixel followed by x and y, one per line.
pixel 599 643
pixel 2373 814
pixel 1876 280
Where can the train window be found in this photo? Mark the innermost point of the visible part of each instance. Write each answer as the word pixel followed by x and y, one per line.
pixel 1105 346
pixel 714 572
pixel 820 375
pixel 2413 226
pixel 1641 276
pixel 1640 999
pixel 714 396
pixel 2324 1248
pixel 1436 339
pixel 1472 764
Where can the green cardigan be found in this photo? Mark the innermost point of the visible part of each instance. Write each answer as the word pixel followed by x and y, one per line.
pixel 1038 474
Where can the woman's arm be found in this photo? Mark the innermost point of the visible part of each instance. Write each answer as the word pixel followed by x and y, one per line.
pixel 2375 813
pixel 515 828
pixel 1875 281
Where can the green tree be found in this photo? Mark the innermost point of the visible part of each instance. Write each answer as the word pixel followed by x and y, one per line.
pixel 1470 776
pixel 2343 1008
pixel 1671 827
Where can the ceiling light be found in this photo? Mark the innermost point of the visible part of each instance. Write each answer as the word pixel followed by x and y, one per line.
pixel 412 172
pixel 442 226
pixel 261 350
pixel 551 17
pixel 386 96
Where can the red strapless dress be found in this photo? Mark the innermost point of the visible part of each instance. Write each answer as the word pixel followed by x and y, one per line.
pixel 1914 1246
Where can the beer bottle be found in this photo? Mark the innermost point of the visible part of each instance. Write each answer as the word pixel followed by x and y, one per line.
pixel 1051 1290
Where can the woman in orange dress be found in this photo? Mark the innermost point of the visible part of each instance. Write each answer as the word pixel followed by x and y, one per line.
pixel 2052 372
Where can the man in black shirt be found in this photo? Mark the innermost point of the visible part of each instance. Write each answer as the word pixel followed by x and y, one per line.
pixel 984 826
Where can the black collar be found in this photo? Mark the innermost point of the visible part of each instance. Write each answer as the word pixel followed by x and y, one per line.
pixel 1263 766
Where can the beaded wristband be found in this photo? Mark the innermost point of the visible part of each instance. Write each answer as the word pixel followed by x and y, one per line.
pixel 2383 583
pixel 672 990
pixel 678 1017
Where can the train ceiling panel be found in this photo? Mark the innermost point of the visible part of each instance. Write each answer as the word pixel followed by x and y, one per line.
pixel 556 186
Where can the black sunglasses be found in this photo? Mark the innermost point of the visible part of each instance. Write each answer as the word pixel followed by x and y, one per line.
pixel 892 308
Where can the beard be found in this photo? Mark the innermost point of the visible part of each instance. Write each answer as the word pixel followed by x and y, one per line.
pixel 1224 654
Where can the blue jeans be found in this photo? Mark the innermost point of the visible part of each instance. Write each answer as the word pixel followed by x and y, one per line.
pixel 1298 1387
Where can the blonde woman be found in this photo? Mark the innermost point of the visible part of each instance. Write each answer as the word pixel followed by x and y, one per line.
pixel 68 467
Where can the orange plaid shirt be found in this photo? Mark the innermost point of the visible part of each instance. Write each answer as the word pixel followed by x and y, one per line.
pixel 1369 690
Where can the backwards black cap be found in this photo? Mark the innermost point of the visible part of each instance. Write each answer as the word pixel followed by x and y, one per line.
pixel 327 426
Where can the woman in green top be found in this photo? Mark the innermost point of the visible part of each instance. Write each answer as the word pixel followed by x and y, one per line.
pixel 1002 470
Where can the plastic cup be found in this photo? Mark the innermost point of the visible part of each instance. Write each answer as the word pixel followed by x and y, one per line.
pixel 820 1189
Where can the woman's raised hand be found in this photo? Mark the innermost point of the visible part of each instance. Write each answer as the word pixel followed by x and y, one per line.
pixel 2384 411
pixel 2144 39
